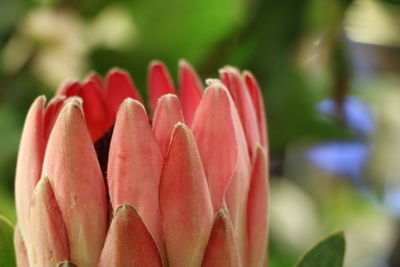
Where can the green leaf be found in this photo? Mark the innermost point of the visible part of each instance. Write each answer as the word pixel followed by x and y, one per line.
pixel 329 252
pixel 7 257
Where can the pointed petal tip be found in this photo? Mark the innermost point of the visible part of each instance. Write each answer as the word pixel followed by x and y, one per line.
pixel 216 87
pixel 130 238
pixel 71 106
pixel 184 64
pixel 41 98
pixel 221 214
pixel 66 264
pixel 92 74
pixel 156 63
pixel 130 103
pixel 74 101
pixel 216 84
pixel 180 129
pixel 247 73
pixel 125 208
pixel 229 69
pixel 116 70
pixel 260 149
pixel 180 126
pixel 38 103
pixel 168 97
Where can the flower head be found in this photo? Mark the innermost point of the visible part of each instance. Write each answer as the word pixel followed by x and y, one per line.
pixel 101 181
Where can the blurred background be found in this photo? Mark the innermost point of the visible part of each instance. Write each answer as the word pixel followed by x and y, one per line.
pixel 329 71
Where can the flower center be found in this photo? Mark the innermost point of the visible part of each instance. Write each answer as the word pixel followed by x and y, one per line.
pixel 102 147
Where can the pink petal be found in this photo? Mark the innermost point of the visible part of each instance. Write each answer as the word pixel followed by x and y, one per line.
pixel 119 87
pixel 74 172
pixel 52 110
pixel 190 90
pixel 159 82
pixel 47 230
pixel 214 130
pixel 128 242
pixel 257 210
pixel 29 163
pixel 186 209
pixel 224 152
pixel 258 102
pixel 222 248
pixel 20 250
pixel 167 114
pixel 135 164
pixel 236 86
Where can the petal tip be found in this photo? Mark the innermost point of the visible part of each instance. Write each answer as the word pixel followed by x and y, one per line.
pixel 180 126
pixel 228 69
pixel 184 64
pixel 116 70
pixel 221 214
pixel 125 208
pixel 156 64
pixel 130 103
pixel 73 103
pixel 169 96
pixel 66 264
pixel 215 83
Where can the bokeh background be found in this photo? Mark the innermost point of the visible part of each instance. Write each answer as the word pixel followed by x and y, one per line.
pixel 329 71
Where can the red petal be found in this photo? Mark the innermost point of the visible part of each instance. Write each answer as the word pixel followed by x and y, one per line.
pixel 128 242
pixel 186 210
pixel 96 113
pixel 222 248
pixel 214 130
pixel 236 86
pixel 20 250
pixel 72 166
pixel 190 90
pixel 167 114
pixel 135 164
pixel 47 230
pixel 119 87
pixel 257 210
pixel 159 82
pixel 68 89
pixel 258 102
pixel 98 81
pixel 29 163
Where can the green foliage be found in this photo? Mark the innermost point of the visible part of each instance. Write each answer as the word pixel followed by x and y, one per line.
pixel 7 257
pixel 329 252
pixel 394 2
pixel 170 30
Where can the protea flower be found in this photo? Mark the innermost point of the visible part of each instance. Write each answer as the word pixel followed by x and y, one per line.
pixel 101 182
